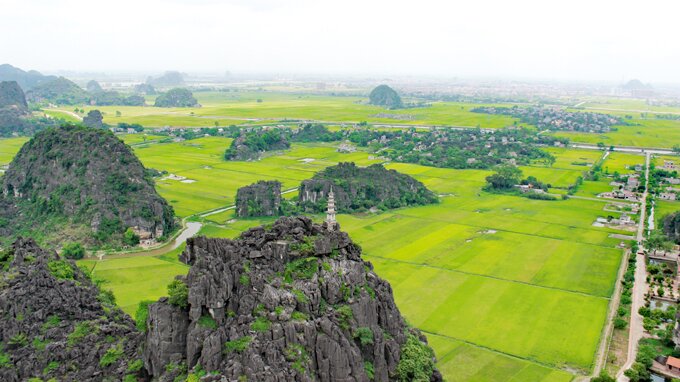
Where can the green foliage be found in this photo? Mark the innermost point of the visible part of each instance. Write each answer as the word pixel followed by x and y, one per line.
pixel 300 296
pixel 52 366
pixel 130 237
pixel 298 316
pixel 142 314
pixel 51 322
pixel 73 251
pixel 505 178
pixel 345 316
pixel 207 322
pixel 5 360
pixel 106 297
pixel 416 363
pixel 111 356
pixel 135 366
pixel 178 294
pixel 61 269
pixel 304 268
pixel 39 344
pixel 237 345
pixel 364 335
pixel 80 331
pixel 261 324
pixel 297 355
pixel 18 340
pixel 620 323
pixel 244 279
pixel 369 369
pixel 603 377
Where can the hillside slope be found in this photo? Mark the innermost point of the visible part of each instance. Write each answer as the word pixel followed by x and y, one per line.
pixel 78 183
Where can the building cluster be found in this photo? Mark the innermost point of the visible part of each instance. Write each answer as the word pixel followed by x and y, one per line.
pixel 626 189
pixel 552 118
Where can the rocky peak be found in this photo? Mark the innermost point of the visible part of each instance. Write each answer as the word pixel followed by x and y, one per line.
pixel 289 302
pixel 54 323
pixel 259 199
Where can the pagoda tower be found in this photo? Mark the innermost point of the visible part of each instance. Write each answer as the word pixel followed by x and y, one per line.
pixel 330 212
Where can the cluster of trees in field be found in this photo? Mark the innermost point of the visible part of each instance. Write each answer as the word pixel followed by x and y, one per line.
pixel 177 97
pixel 508 179
pixel 460 149
pixel 556 118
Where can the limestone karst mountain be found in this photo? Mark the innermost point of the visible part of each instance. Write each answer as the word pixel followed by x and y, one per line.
pixel 290 302
pixel 362 188
pixel 79 183
pixel 383 95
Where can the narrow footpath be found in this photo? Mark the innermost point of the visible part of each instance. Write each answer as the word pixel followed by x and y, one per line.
pixel 639 288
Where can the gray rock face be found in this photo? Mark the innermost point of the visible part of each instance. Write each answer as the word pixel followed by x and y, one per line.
pixel 54 323
pixel 291 303
pixel 259 199
pixel 12 97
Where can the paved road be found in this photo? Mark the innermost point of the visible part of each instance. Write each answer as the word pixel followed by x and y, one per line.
pixel 639 289
pixel 628 149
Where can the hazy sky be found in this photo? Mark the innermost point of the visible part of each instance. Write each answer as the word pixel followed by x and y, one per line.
pixel 590 40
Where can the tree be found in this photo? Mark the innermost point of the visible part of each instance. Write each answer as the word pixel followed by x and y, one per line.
pixel 603 377
pixel 73 251
pixel 130 237
pixel 178 293
pixel 676 149
pixel 505 178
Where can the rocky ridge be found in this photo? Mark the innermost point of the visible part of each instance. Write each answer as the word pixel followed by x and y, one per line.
pixel 56 324
pixel 290 302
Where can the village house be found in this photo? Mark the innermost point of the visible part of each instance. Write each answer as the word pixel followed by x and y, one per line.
pixel 673 364
pixel 667 196
pixel 669 165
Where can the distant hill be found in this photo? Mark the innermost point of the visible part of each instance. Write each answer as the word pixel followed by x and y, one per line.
pixel 168 79
pixel 358 189
pixel 93 87
pixel 80 184
pixel 27 80
pixel 176 97
pixel 60 91
pixel 636 84
pixel 15 118
pixel 385 96
pixel 12 97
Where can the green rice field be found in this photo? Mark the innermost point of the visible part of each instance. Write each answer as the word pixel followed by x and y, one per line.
pixel 522 286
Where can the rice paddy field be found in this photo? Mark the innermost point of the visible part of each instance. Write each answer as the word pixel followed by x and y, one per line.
pixel 506 288
pixel 9 147
pixel 522 286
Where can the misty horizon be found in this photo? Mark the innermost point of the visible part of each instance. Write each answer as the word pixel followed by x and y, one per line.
pixel 609 41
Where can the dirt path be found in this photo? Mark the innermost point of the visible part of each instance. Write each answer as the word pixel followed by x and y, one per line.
pixel 639 289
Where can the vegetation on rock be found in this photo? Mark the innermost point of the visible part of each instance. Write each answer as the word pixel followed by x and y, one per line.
pixel 383 95
pixel 361 188
pixel 249 145
pixel 259 199
pixel 177 97
pixel 80 184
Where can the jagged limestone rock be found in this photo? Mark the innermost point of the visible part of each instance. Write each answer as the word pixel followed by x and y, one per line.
pixel 54 323
pixel 259 199
pixel 294 302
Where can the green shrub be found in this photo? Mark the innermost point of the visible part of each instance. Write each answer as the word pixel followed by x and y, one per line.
pixel 297 355
pixel 237 345
pixel 298 316
pixel 142 314
pixel 73 251
pixel 300 296
pixel 5 361
pixel 364 335
pixel 244 279
pixel 304 269
pixel 130 378
pixel 345 315
pixel 416 363
pixel 52 366
pixel 60 269
pixel 369 369
pixel 135 366
pixel 51 322
pixel 130 237
pixel 261 324
pixel 39 344
pixel 619 323
pixel 80 331
pixel 19 340
pixel 207 322
pixel 178 294
pixel 106 297
pixel 111 356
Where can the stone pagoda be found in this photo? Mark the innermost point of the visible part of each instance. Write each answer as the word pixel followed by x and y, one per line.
pixel 330 212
